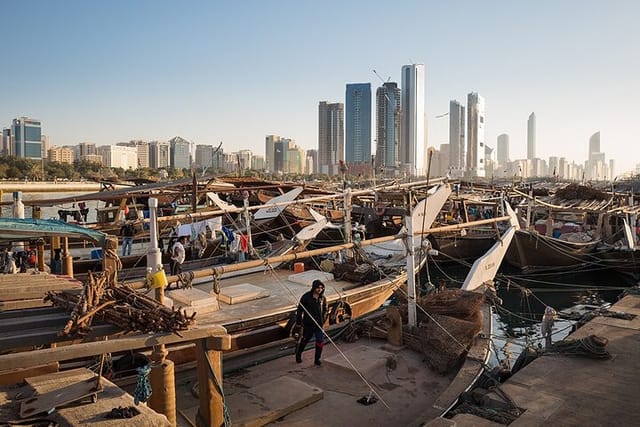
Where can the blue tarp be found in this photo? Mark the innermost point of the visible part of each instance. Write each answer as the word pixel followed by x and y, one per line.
pixel 27 229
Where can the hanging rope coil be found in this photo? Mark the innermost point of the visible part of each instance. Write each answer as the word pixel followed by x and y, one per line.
pixel 186 279
pixel 591 346
pixel 216 282
pixel 143 390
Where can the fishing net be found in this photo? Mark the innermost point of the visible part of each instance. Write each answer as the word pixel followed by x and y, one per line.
pixel 576 191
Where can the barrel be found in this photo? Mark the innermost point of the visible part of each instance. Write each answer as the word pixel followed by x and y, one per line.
pixel 298 267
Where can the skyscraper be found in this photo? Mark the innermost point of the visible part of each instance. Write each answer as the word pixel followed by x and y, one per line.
pixel 456 138
pixel 158 155
pixel 475 135
pixel 269 151
pixel 388 115
pixel 503 149
pixel 531 137
pixel 412 143
pixel 180 153
pixel 26 134
pixel 594 145
pixel 330 137
pixel 358 123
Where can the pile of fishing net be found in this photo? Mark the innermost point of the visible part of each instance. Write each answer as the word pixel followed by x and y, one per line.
pixel 445 334
pixel 576 191
pixel 591 346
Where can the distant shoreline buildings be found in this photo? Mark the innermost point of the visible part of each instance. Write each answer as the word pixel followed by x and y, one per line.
pixel 345 143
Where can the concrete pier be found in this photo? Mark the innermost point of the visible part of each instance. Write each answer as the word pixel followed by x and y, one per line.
pixel 560 390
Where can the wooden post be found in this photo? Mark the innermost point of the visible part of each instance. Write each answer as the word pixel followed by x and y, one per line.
pixel 66 258
pixel 210 390
pixel 40 249
pixel 109 263
pixel 163 385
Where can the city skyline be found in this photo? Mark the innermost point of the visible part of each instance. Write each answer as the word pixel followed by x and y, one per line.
pixel 223 77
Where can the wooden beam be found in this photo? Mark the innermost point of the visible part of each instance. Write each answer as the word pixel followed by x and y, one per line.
pixel 39 357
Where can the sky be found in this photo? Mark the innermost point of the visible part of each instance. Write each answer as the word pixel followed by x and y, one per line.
pixel 235 71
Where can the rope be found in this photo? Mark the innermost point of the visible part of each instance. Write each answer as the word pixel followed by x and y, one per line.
pixel 225 408
pixel 186 278
pixel 143 391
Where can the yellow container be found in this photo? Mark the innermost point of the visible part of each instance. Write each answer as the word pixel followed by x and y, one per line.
pixel 159 279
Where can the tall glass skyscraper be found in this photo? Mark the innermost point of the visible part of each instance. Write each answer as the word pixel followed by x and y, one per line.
pixel 531 137
pixel 330 137
pixel 388 115
pixel 27 138
pixel 503 149
pixel 475 136
pixel 412 142
pixel 358 123
pixel 456 138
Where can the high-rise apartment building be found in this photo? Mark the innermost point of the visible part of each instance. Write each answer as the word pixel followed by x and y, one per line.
pixel 61 155
pixel 330 137
pixel 26 135
pixel 456 139
pixel 84 149
pixel 531 137
pixel 180 153
pixel 270 151
pixel 257 162
pixel 358 123
pixel 475 136
pixel 412 142
pixel 6 148
pixel 142 148
pixel 312 161
pixel 503 149
pixel 388 122
pixel 159 155
pixel 119 156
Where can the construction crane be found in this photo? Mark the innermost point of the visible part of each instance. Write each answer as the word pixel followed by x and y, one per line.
pixel 381 79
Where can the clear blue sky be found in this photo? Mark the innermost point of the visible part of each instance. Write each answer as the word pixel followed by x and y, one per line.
pixel 234 71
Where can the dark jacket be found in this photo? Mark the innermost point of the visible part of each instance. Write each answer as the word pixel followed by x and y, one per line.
pixel 128 230
pixel 317 308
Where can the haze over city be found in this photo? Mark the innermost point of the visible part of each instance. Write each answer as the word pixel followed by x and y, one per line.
pixel 235 72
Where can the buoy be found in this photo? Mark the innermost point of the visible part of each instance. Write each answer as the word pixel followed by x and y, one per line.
pixel 298 267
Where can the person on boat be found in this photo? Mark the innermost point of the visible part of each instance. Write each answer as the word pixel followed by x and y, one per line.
pixel 311 313
pixel 127 232
pixel 178 255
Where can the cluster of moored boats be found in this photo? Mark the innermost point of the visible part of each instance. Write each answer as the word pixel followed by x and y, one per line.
pixel 255 247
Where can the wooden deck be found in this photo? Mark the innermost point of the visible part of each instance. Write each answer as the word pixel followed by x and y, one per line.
pixel 40 327
pixel 77 413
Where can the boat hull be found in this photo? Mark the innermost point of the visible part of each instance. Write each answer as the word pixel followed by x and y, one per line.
pixel 533 251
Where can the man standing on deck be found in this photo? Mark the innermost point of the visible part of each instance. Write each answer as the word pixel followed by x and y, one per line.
pixel 178 255
pixel 127 232
pixel 311 313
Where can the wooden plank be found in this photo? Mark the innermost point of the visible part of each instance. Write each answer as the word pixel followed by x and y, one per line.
pixel 47 402
pixel 6 306
pixel 18 375
pixel 32 322
pixel 37 357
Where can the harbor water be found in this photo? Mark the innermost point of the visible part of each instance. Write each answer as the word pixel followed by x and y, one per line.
pixel 525 297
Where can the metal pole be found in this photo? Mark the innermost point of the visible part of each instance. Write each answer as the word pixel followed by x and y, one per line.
pixel 411 275
pixel 347 219
pixel 162 375
pixel 247 221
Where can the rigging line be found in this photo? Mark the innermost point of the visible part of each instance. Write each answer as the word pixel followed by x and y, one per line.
pixel 280 282
pixel 294 299
pixel 561 284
